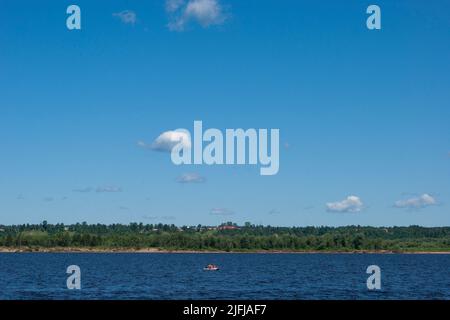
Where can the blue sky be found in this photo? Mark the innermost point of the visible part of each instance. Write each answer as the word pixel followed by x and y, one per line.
pixel 362 114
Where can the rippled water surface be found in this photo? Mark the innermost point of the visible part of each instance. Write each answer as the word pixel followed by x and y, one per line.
pixel 242 276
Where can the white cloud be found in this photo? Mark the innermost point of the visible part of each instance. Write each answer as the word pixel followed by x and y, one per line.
pixel 167 140
pixel 422 201
pixel 221 212
pixel 350 204
pixel 191 178
pixel 204 12
pixel 109 189
pixel 126 16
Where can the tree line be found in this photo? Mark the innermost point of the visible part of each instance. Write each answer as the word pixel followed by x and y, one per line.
pixel 234 238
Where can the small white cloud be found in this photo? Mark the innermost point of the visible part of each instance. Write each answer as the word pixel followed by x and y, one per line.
pixel 109 189
pixel 204 12
pixel 425 200
pixel 126 16
pixel 221 212
pixel 167 140
pixel 350 204
pixel 191 178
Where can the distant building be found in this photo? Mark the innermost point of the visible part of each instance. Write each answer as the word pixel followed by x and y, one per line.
pixel 226 227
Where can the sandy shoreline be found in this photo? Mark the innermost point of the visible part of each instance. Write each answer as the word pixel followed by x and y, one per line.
pixel 156 250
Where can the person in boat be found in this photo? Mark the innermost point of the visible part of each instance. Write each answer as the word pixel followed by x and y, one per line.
pixel 211 267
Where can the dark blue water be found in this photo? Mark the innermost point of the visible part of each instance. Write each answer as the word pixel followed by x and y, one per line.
pixel 242 276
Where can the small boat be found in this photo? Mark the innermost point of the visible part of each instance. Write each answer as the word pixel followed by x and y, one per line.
pixel 211 267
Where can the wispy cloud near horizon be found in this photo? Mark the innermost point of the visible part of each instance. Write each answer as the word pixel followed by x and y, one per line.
pixel 108 189
pixel 191 178
pixel 420 202
pixel 221 212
